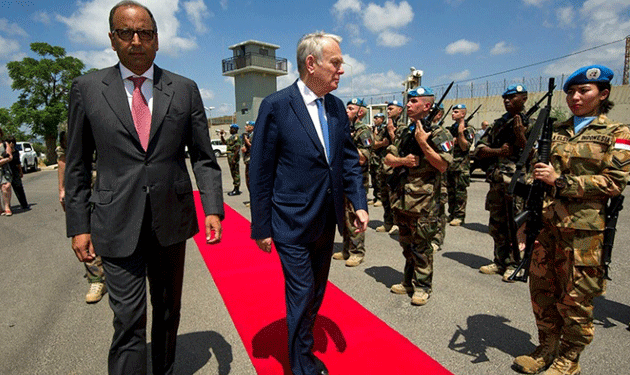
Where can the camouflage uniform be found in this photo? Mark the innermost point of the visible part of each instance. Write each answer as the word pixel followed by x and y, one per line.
pixel 458 174
pixel 566 271
pixel 246 155
pixel 499 174
pixel 94 269
pixel 354 243
pixel 376 159
pixel 383 174
pixel 234 155
pixel 415 203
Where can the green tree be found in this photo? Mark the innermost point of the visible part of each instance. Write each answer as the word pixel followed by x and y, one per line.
pixel 44 85
pixel 9 124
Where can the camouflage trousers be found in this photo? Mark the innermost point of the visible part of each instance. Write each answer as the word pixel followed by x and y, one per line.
pixel 388 216
pixel 563 283
pixel 441 233
pixel 353 243
pixel 457 182
pixel 376 188
pixel 498 223
pixel 415 236
pixel 247 175
pixel 94 271
pixel 235 169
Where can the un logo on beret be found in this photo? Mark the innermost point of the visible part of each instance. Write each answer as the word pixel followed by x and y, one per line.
pixel 593 73
pixel 354 101
pixel 420 91
pixel 519 88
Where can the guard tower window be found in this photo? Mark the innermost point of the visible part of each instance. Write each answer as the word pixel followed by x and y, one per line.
pixel 264 52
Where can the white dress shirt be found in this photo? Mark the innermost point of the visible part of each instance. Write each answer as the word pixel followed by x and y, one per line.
pixel 309 99
pixel 146 88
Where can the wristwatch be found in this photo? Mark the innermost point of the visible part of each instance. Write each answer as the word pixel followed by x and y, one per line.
pixel 561 182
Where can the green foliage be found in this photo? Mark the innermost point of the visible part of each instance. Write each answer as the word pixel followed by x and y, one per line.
pixel 44 85
pixel 559 114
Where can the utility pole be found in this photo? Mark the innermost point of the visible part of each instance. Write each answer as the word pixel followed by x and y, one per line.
pixel 626 63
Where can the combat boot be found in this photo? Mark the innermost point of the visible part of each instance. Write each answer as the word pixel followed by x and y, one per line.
pixel 541 357
pixel 420 297
pixel 96 292
pixel 394 230
pixel 567 362
pixel 401 288
pixel 234 192
pixel 354 260
pixel 491 269
pixel 456 222
pixel 383 228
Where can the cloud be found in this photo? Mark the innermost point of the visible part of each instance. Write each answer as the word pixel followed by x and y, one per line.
pixel 11 28
pixel 224 4
pixel 565 16
pixel 197 11
pixel 8 47
pixel 391 39
pixel 602 21
pixel 96 59
pixel 459 76
pixel 89 26
pixel 536 3
pixel 502 48
pixel 341 7
pixel 42 17
pixel 462 46
pixel 206 94
pixel 371 84
pixel 355 34
pixel 5 80
pixel 355 66
pixel 224 109
pixel 391 16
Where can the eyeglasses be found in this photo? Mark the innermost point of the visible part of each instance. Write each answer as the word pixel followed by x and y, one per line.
pixel 127 34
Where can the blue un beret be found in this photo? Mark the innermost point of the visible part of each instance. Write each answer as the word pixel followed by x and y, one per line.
pixel 440 107
pixel 379 115
pixel 420 91
pixel 357 101
pixel 589 74
pixel 514 89
pixel 459 106
pixel 251 123
pixel 234 126
pixel 396 103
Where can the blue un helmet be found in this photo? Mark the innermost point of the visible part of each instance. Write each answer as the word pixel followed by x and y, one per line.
pixel 514 89
pixel 420 91
pixel 589 74
pixel 357 101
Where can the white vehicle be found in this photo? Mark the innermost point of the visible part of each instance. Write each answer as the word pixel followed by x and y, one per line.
pixel 28 156
pixel 218 147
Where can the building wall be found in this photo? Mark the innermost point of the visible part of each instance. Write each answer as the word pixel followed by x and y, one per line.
pixel 247 88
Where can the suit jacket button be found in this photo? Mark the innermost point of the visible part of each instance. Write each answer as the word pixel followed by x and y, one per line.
pixel 328 191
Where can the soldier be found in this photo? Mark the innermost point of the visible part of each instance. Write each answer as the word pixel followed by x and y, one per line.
pixel 379 146
pixel 422 156
pixel 233 156
pixel 589 163
pixel 394 116
pixel 438 239
pixel 354 243
pixel 246 139
pixel 93 269
pixel 499 149
pixel 458 173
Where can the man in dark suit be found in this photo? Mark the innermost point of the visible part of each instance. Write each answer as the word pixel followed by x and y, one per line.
pixel 138 118
pixel 303 162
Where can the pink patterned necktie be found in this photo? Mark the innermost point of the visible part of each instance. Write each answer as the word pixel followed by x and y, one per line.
pixel 140 112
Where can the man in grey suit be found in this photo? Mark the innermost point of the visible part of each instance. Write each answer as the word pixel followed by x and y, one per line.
pixel 138 118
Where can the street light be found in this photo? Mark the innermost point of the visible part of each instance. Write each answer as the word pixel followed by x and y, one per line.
pixel 209 109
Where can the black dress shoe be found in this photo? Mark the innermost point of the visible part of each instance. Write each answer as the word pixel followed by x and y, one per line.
pixel 234 192
pixel 320 367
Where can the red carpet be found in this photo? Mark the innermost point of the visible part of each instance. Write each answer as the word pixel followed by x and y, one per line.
pixel 242 271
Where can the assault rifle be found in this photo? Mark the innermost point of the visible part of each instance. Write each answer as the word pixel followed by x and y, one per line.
pixel 615 204
pixel 408 143
pixel 444 117
pixel 506 133
pixel 472 114
pixel 534 194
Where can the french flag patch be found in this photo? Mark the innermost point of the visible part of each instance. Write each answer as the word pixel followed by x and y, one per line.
pixel 623 144
pixel 448 145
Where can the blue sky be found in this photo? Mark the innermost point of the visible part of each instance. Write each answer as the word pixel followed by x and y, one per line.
pixel 446 39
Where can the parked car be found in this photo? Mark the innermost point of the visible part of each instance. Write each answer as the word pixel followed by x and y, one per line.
pixel 28 156
pixel 218 147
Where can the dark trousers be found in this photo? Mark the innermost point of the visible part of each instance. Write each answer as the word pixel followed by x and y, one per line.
pixel 126 284
pixel 305 268
pixel 18 189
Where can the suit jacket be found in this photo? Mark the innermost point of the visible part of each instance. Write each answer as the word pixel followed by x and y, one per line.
pixel 291 182
pixel 100 120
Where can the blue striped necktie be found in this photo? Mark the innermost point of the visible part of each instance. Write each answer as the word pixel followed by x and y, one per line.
pixel 322 120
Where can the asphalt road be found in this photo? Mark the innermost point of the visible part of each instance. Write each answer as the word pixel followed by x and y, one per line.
pixel 473 323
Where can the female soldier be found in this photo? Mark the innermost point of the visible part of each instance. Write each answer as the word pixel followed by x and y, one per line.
pixel 590 160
